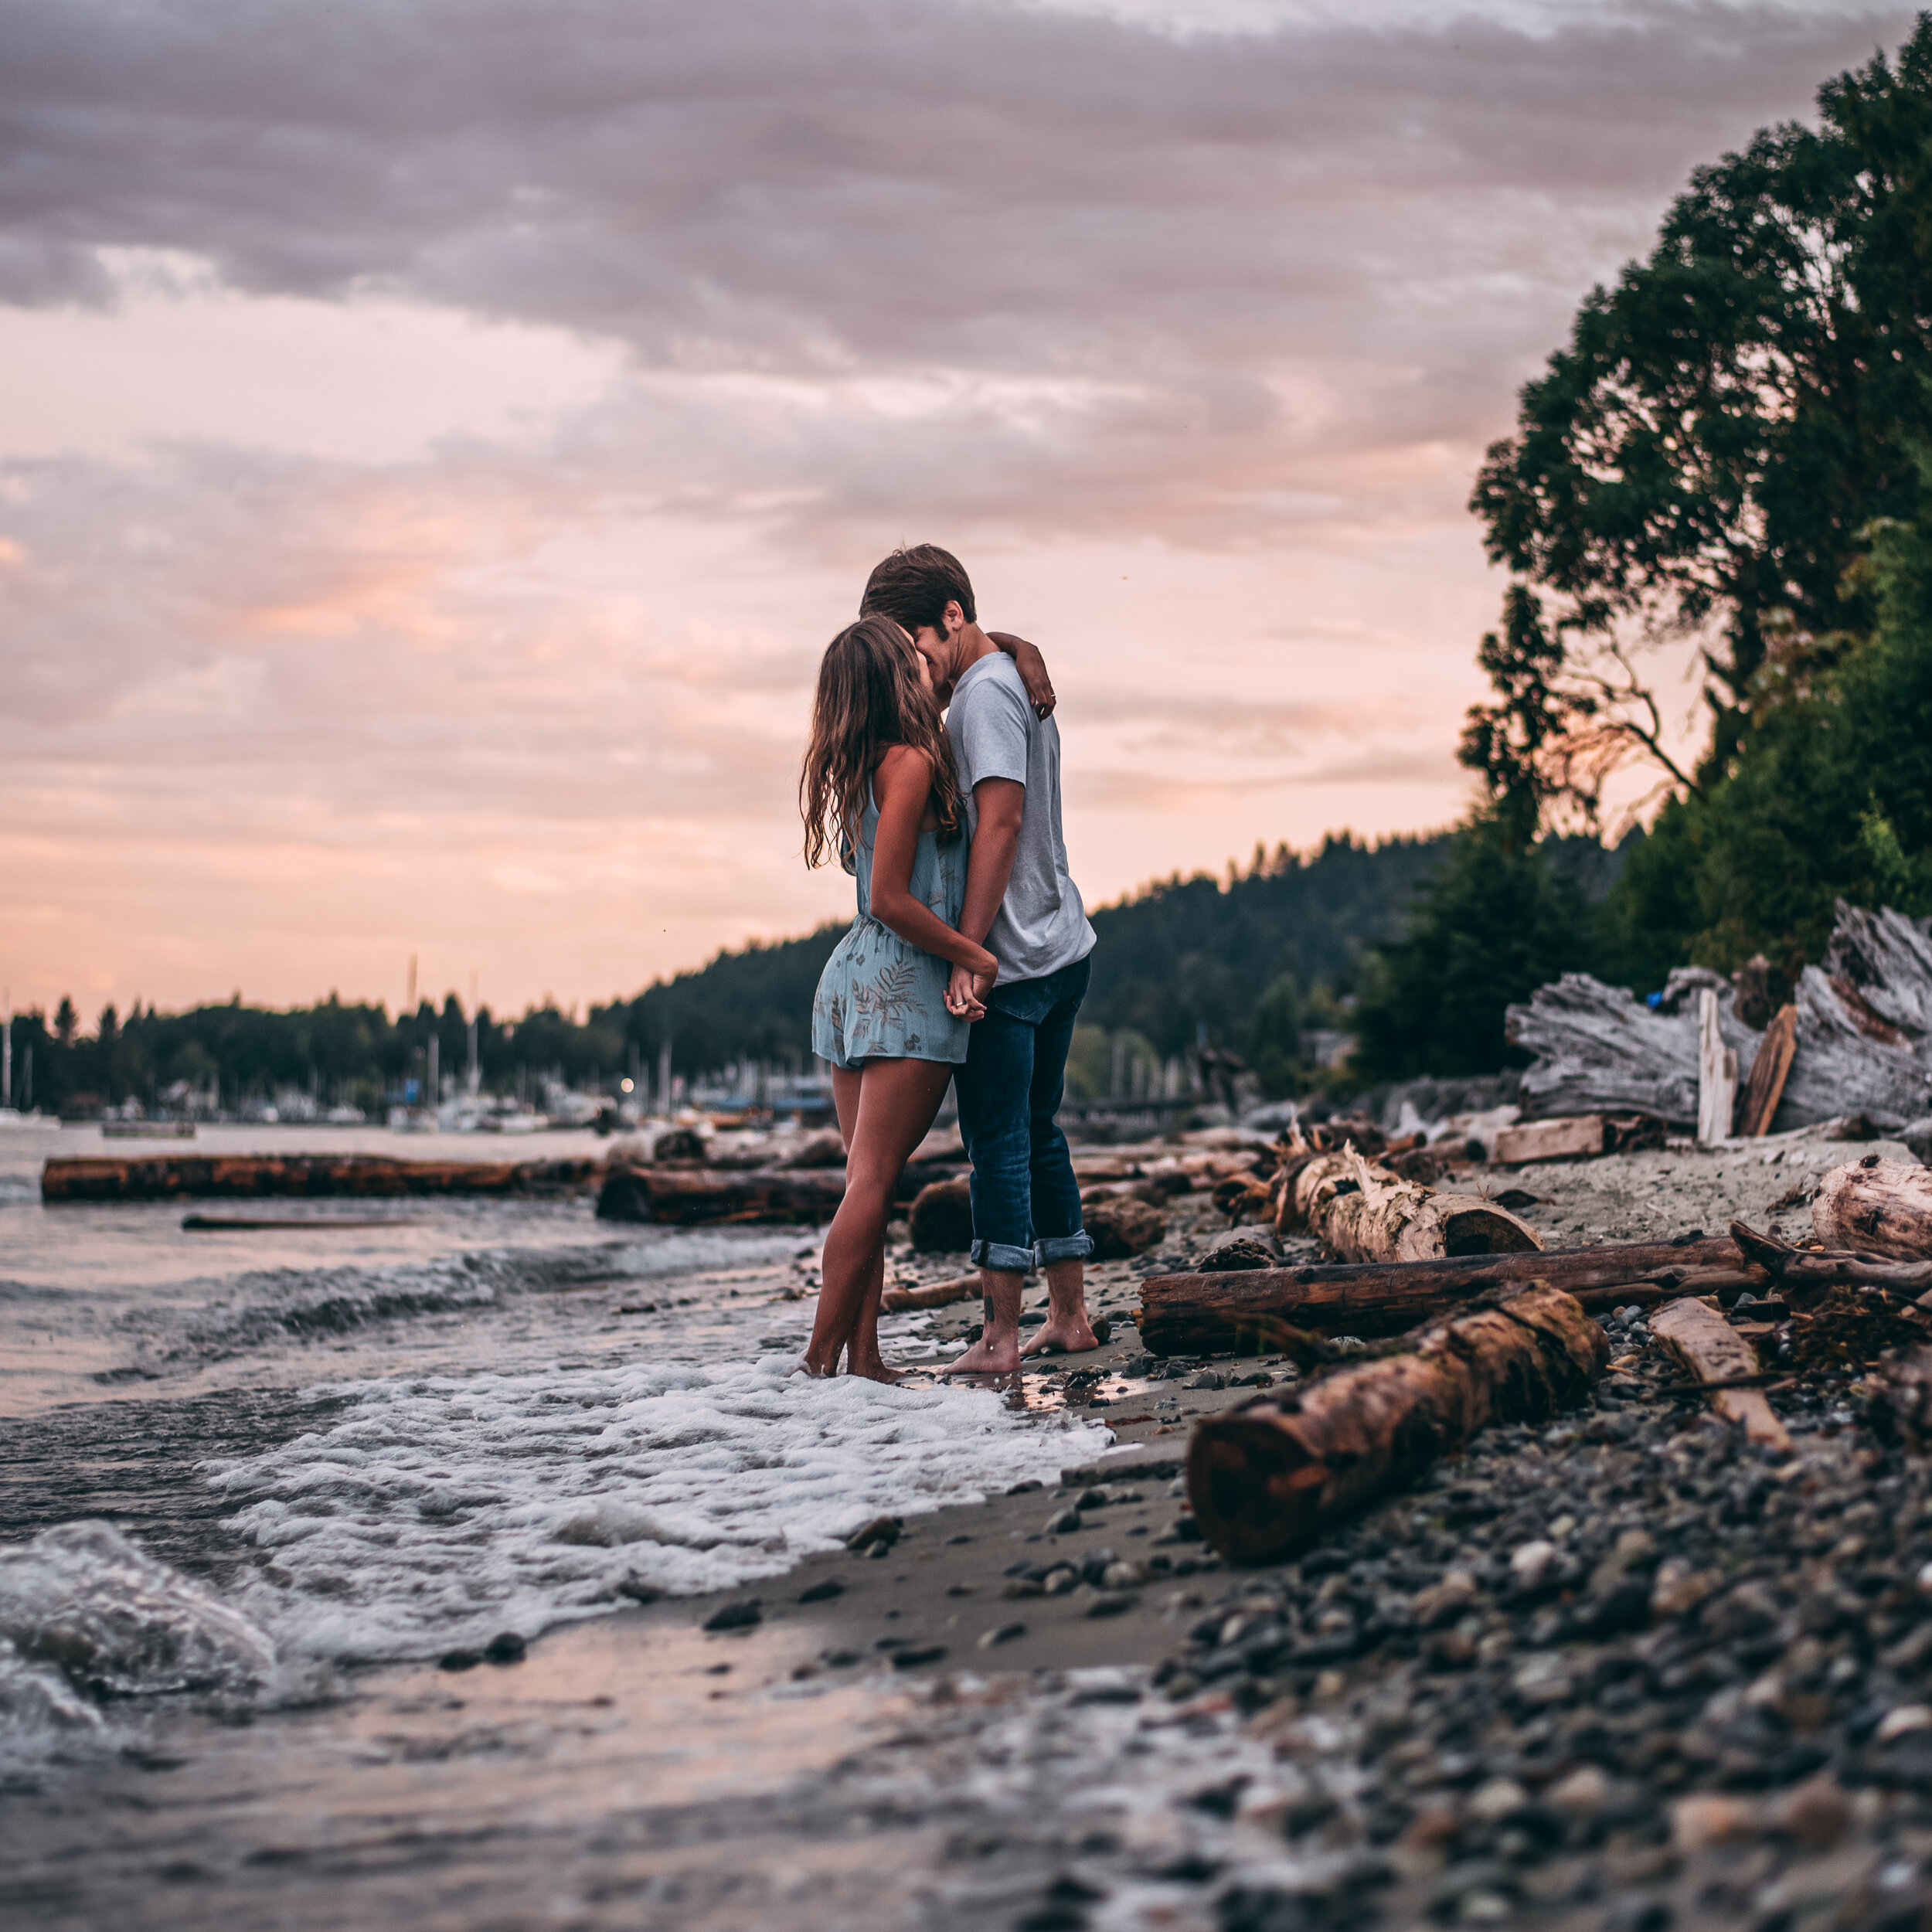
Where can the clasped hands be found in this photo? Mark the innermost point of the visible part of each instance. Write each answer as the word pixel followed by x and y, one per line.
pixel 966 990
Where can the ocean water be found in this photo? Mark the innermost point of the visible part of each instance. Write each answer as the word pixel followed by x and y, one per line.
pixel 235 1465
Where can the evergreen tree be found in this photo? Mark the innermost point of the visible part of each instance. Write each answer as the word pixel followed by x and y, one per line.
pixel 1498 922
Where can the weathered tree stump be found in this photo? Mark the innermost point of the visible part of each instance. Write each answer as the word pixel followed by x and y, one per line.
pixel 1267 1479
pixel 1862 1035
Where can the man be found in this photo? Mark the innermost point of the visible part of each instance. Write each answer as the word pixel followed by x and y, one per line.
pixel 1022 906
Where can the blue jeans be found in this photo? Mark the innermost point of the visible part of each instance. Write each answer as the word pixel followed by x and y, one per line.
pixel 1026 1204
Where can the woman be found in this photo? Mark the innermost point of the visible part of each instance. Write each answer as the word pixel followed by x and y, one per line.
pixel 878 788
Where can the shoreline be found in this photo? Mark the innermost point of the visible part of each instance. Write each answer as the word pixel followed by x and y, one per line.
pixel 1622 1665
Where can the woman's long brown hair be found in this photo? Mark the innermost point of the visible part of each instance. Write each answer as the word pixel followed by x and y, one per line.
pixel 869 699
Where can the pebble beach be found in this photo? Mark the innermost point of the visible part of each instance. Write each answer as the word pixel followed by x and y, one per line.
pixel 1619 1672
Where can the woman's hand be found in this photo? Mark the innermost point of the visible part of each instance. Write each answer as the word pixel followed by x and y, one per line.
pixel 966 990
pixel 1032 667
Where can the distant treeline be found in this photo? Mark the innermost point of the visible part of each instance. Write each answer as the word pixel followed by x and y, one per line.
pixel 340 1055
pixel 1183 962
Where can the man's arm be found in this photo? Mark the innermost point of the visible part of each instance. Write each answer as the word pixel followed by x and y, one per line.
pixel 1032 667
pixel 1000 802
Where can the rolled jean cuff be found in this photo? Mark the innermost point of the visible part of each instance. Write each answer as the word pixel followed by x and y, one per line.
pixel 1063 1247
pixel 1002 1256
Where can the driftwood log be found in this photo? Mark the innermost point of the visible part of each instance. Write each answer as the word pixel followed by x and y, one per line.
pixel 1574 1137
pixel 1363 1212
pixel 1712 1351
pixel 699 1196
pixel 682 1197
pixel 931 1294
pixel 168 1177
pixel 1862 1035
pixel 1267 1479
pixel 1876 1206
pixel 1258 1311
pixel 1804 1275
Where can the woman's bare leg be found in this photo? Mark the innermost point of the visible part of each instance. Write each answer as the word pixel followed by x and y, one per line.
pixel 895 1100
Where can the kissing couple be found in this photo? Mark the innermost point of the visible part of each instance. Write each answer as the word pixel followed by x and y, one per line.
pixel 967 960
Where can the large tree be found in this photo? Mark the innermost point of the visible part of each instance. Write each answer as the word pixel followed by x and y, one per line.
pixel 1700 460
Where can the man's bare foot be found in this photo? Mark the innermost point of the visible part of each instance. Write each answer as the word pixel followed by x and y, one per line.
pixel 1068 1334
pixel 982 1359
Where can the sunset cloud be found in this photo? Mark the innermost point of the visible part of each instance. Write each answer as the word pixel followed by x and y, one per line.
pixel 450 431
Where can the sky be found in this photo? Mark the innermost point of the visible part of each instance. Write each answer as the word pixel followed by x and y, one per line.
pixel 437 440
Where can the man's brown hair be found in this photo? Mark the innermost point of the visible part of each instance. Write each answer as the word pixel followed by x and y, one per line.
pixel 914 587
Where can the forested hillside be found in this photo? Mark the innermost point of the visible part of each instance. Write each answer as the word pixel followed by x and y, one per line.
pixel 1175 958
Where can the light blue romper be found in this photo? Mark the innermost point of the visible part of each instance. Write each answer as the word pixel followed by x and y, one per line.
pixel 880 995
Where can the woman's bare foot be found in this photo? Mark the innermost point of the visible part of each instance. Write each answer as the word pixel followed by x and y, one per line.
pixel 988 1357
pixel 874 1370
pixel 1063 1334
pixel 818 1371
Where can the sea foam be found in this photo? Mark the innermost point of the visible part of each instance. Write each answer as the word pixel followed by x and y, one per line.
pixel 87 1617
pixel 440 1511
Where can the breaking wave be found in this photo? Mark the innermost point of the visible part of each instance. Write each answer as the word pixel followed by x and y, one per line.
pixel 87 1618
pixel 271 1306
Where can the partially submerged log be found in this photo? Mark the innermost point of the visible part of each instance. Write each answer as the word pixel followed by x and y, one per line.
pixel 1267 1479
pixel 1255 1311
pixel 167 1177
pixel 1361 1213
pixel 1876 1206
pixel 1712 1351
pixel 1862 1035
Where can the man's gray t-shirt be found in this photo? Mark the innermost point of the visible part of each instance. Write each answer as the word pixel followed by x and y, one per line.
pixel 1042 925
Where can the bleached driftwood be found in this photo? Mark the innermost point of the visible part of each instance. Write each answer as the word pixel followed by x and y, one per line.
pixel 1361 1212
pixel 1716 1074
pixel 1875 1206
pixel 1862 1037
